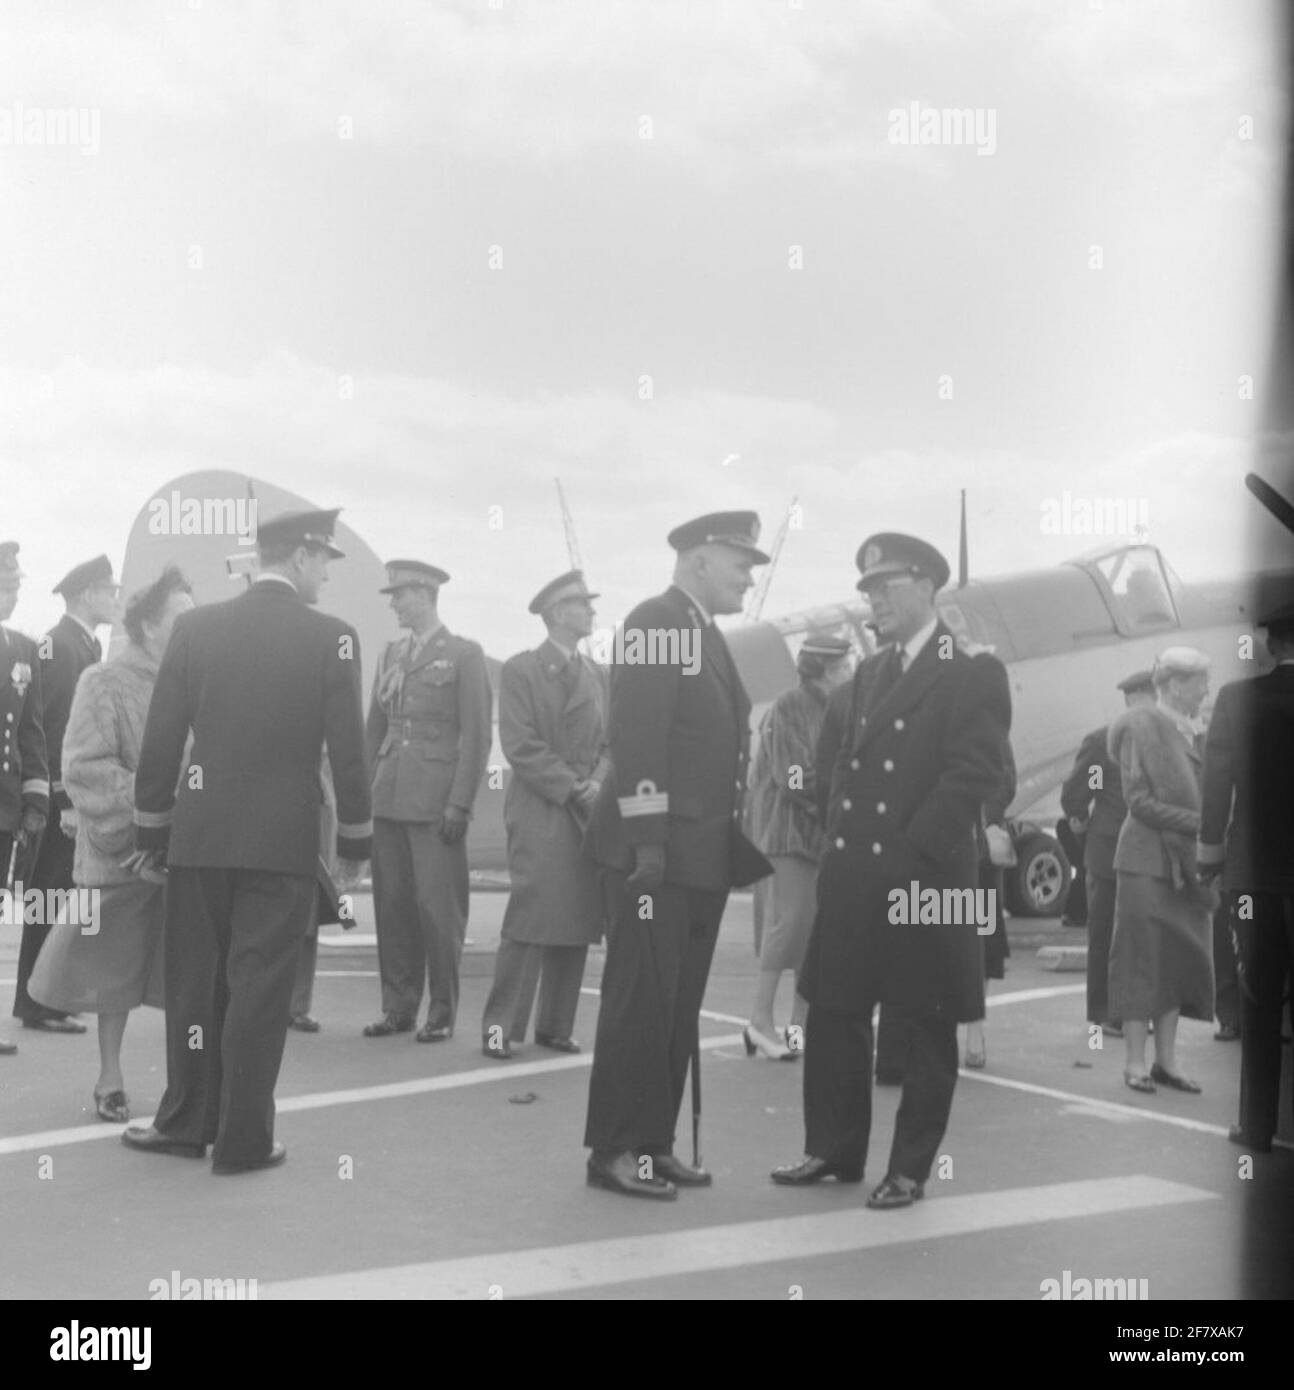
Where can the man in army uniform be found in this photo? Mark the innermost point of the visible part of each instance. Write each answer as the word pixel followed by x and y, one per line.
pixel 24 781
pixel 667 824
pixel 910 750
pixel 428 741
pixel 90 594
pixel 552 723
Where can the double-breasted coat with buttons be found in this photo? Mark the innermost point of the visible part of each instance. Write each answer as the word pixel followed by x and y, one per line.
pixel 553 727
pixel 907 760
pixel 1106 804
pixel 429 727
pixel 24 774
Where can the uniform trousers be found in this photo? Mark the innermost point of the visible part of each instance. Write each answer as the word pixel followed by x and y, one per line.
pixel 519 968
pixel 421 898
pixel 52 869
pixel 1226 986
pixel 233 941
pixel 1266 974
pixel 303 988
pixel 1100 932
pixel 652 987
pixel 838 1088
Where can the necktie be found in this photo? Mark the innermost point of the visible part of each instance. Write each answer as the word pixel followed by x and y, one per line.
pixel 96 648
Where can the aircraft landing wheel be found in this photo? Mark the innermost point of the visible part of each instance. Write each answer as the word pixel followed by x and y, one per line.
pixel 1038 884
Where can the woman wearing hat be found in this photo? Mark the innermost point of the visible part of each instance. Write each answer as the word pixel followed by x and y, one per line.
pixel 785 826
pixel 117 967
pixel 1161 961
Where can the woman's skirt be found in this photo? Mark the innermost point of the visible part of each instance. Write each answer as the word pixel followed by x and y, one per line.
pixel 1161 955
pixel 111 970
pixel 789 904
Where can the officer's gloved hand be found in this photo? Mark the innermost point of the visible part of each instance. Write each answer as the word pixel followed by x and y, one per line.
pixel 33 822
pixel 649 868
pixel 67 822
pixel 453 825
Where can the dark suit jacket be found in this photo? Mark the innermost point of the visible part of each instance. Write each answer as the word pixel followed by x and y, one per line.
pixel 909 761
pixel 24 776
pixel 1103 810
pixel 70 649
pixel 1247 784
pixel 679 746
pixel 263 681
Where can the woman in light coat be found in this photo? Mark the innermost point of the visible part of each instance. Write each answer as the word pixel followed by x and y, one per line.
pixel 1161 957
pixel 118 966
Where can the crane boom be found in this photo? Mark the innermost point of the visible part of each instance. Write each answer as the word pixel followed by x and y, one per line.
pixel 760 593
pixel 568 525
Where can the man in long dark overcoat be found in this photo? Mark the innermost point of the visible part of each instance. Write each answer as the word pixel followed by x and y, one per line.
pixel 667 827
pixel 910 749
pixel 264 683
pixel 552 725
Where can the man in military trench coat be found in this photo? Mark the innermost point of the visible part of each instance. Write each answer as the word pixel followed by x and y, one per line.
pixel 910 750
pixel 667 825
pixel 552 724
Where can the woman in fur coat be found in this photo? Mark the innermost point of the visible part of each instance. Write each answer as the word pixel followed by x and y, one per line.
pixel 117 965
pixel 1161 958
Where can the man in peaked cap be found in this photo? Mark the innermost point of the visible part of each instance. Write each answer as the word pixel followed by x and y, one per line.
pixel 1247 835
pixel 429 741
pixel 552 725
pixel 24 779
pixel 910 751
pixel 667 826
pixel 1092 799
pixel 90 595
pixel 264 682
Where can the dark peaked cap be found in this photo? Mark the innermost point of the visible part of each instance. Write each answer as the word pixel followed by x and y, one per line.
pixel 78 580
pixel 737 529
pixel 301 528
pixel 10 569
pixel 1138 680
pixel 568 585
pixel 412 574
pixel 891 552
pixel 825 644
pixel 1279 621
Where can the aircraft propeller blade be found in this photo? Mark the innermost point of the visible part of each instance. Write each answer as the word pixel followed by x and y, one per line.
pixel 1271 499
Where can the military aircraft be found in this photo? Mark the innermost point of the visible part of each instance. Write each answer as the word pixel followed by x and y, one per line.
pixel 1067 634
pixel 204 523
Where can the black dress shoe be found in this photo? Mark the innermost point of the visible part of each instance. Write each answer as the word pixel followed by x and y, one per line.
pixel 501 1052
pixel 1238 1136
pixel 386 1025
pixel 557 1044
pixel 811 1170
pixel 681 1174
pixel 429 1034
pixel 277 1154
pixel 7 1048
pixel 304 1023
pixel 153 1141
pixel 895 1192
pixel 1227 1032
pixel 54 1025
pixel 620 1173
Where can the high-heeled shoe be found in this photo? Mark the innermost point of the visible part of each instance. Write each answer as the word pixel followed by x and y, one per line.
pixel 758 1042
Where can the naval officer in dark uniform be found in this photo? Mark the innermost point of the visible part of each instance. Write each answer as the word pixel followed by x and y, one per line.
pixel 24 778
pixel 264 682
pixel 910 750
pixel 90 594
pixel 667 826
pixel 428 738
pixel 1247 835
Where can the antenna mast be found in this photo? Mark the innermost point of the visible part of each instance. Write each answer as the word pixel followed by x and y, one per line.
pixel 568 525
pixel 760 593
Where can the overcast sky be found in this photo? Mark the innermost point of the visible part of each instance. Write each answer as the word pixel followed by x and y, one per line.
pixel 416 259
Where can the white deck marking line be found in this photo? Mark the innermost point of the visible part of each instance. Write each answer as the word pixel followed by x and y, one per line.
pixel 355 1095
pixel 599 1263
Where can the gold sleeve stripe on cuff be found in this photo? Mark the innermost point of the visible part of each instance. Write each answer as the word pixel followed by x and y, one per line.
pixel 35 786
pixel 358 831
pixel 152 820
pixel 654 804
